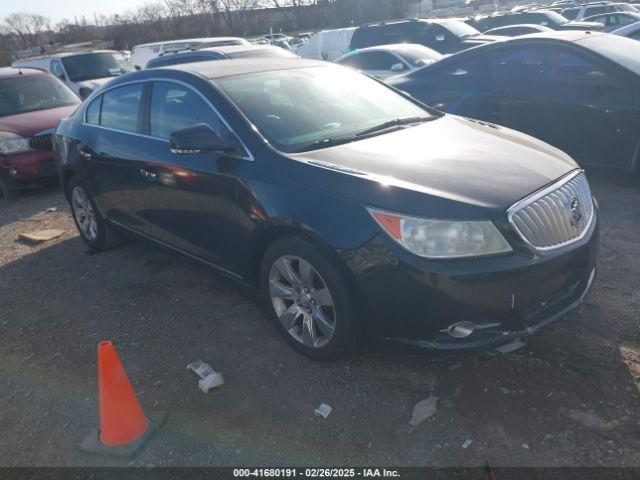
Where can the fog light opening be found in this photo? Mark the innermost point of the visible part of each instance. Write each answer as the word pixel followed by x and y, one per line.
pixel 461 329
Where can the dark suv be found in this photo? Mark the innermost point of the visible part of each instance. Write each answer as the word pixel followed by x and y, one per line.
pixel 443 36
pixel 538 17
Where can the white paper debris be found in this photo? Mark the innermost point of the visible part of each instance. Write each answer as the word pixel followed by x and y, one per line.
pixel 323 410
pixel 209 378
pixel 467 443
pixel 423 410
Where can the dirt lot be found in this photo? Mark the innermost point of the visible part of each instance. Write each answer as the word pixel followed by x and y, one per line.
pixel 569 398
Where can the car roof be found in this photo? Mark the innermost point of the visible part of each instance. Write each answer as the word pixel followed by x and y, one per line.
pixel 65 54
pixel 235 48
pixel 393 47
pixel 569 36
pixel 629 14
pixel 229 68
pixel 187 40
pixel 542 28
pixel 8 72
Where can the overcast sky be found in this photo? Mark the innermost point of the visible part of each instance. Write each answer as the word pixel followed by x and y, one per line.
pixel 56 10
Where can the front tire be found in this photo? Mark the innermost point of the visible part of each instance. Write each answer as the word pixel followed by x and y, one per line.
pixel 309 299
pixel 94 230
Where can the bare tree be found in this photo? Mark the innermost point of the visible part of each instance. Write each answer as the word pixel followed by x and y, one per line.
pixel 234 13
pixel 7 45
pixel 27 26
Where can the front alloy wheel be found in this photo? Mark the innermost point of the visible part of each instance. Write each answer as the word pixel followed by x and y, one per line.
pixel 302 301
pixel 309 297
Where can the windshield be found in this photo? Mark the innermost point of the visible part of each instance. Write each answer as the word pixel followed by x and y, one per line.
pixel 95 65
pixel 418 55
pixel 297 110
pixel 460 29
pixel 30 93
pixel 554 18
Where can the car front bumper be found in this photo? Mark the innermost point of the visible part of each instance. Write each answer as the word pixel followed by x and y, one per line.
pixel 415 301
pixel 25 169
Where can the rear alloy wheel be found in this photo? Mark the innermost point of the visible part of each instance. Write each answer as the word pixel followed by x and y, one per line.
pixel 94 230
pixel 310 300
pixel 84 214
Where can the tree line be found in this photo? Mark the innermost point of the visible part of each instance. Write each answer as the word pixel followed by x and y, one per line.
pixel 174 19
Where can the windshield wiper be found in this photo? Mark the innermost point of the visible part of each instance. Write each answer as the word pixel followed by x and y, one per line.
pixel 394 123
pixel 325 143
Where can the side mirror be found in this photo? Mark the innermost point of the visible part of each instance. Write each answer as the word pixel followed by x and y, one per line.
pixel 439 38
pixel 62 77
pixel 201 138
pixel 397 67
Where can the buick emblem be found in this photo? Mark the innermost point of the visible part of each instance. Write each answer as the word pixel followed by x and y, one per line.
pixel 575 210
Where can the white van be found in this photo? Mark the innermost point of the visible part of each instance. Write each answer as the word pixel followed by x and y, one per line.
pixel 141 54
pixel 327 44
pixel 83 71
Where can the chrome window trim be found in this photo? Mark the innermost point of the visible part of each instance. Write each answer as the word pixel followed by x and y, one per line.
pixel 525 202
pixel 248 155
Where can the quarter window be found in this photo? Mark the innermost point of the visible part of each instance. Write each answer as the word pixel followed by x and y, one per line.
pixel 174 107
pixel 93 111
pixel 56 68
pixel 121 108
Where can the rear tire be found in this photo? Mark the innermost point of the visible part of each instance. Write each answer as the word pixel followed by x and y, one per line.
pixel 96 232
pixel 309 298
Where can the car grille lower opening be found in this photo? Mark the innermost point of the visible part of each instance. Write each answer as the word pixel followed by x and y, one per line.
pixel 41 142
pixel 556 216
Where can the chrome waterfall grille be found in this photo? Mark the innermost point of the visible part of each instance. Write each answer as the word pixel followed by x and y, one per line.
pixel 556 216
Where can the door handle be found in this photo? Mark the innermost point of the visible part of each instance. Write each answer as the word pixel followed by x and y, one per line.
pixel 151 176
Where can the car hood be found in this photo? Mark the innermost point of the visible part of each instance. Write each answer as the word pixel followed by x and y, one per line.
pixel 580 26
pixel 452 157
pixel 95 83
pixel 31 123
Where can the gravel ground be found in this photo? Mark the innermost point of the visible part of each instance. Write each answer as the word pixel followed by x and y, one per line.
pixel 570 398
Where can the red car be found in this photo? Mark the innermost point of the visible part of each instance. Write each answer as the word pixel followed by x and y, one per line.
pixel 32 103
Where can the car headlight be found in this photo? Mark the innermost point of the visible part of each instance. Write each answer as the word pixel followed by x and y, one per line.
pixel 442 238
pixel 12 143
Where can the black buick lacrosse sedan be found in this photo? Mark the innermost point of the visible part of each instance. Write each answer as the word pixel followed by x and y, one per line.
pixel 355 210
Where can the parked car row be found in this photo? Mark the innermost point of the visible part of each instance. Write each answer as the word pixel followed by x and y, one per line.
pixel 413 207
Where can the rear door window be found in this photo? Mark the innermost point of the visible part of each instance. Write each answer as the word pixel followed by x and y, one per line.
pixel 353 61
pixel 174 107
pixel 121 108
pixel 377 61
pixel 56 68
pixel 571 13
pixel 589 11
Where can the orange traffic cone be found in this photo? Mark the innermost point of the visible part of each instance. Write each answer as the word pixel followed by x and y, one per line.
pixel 123 425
